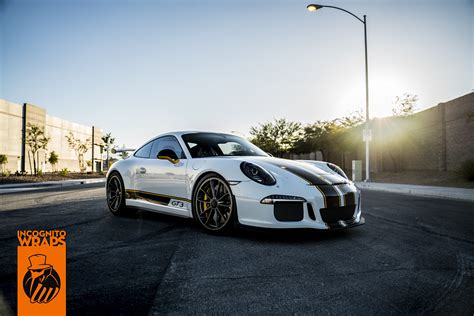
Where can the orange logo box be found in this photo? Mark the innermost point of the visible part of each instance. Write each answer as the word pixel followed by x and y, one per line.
pixel 41 274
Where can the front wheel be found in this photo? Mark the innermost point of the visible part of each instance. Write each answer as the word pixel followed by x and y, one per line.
pixel 213 204
pixel 115 194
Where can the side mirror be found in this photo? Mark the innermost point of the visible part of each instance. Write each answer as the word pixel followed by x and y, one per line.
pixel 168 154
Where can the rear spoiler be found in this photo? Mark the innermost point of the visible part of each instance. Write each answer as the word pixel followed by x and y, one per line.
pixel 121 150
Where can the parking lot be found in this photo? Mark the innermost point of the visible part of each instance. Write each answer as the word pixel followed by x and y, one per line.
pixel 413 255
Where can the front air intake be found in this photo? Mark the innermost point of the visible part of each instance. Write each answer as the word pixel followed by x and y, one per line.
pixel 288 211
pixel 335 214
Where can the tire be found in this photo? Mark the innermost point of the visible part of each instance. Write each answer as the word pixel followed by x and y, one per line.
pixel 213 204
pixel 115 194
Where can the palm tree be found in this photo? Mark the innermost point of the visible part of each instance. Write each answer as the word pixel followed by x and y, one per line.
pixel 108 145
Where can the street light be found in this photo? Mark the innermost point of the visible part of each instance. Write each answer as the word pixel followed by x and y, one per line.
pixel 314 7
pixel 367 134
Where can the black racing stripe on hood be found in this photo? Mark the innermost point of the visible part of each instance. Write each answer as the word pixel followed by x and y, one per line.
pixel 330 195
pixel 348 193
pixel 300 172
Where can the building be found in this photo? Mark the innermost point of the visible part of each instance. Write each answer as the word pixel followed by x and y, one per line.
pixel 14 119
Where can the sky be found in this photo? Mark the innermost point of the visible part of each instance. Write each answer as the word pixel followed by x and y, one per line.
pixel 139 68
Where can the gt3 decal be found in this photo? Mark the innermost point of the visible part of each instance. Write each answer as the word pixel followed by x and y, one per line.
pixel 175 203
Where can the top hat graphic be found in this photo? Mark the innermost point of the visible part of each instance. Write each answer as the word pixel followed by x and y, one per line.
pixel 38 262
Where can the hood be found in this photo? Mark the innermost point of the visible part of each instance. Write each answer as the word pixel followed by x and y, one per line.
pixel 310 173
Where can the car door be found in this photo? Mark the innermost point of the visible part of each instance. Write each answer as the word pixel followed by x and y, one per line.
pixel 163 181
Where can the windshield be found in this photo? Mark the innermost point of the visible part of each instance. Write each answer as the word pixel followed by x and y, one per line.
pixel 219 145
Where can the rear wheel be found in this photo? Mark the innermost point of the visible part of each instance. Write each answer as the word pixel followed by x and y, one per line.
pixel 116 194
pixel 213 204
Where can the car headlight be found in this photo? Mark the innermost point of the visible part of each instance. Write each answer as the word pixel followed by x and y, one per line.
pixel 257 173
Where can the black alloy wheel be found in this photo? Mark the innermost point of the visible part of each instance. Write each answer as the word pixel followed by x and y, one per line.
pixel 213 204
pixel 115 194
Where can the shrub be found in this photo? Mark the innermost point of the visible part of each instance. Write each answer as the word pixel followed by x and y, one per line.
pixel 467 170
pixel 3 161
pixel 39 173
pixel 64 172
pixel 53 159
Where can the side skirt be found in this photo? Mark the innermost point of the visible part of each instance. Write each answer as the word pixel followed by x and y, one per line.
pixel 159 208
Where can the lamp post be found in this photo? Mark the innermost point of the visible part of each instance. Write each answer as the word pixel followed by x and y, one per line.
pixel 367 133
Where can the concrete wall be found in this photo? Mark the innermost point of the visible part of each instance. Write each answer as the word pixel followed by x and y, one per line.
pixel 459 121
pixel 10 133
pixel 57 129
pixel 439 138
pixel 11 115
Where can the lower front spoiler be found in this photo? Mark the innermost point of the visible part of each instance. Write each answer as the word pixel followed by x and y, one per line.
pixel 346 224
pixel 328 227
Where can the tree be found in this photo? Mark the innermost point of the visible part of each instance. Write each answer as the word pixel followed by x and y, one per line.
pixel 320 135
pixel 351 120
pixel 328 136
pixel 124 154
pixel 277 137
pixel 3 162
pixel 108 145
pixel 405 105
pixel 80 148
pixel 53 160
pixel 394 140
pixel 36 140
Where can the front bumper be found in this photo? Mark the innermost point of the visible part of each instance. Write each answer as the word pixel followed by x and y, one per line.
pixel 313 212
pixel 250 212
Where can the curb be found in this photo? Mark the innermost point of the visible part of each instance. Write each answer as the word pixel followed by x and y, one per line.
pixel 19 187
pixel 421 190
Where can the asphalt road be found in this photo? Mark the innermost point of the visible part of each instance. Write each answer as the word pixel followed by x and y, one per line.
pixel 413 255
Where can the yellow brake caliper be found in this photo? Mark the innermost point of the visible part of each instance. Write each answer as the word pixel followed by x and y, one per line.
pixel 206 206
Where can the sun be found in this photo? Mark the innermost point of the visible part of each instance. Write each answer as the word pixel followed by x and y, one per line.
pixel 383 90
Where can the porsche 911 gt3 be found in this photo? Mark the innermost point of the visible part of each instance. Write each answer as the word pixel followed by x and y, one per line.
pixel 222 179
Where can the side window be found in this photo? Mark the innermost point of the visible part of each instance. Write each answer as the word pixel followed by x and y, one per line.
pixel 167 142
pixel 144 152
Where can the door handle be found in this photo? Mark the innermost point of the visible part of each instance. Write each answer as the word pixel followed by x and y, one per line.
pixel 141 170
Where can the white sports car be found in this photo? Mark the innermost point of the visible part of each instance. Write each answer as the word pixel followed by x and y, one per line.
pixel 223 179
